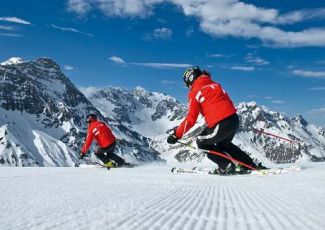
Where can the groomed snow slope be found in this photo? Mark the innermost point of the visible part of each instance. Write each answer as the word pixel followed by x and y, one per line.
pixel 150 197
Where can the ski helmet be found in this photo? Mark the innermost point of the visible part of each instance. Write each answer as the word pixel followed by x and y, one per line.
pixel 191 74
pixel 91 117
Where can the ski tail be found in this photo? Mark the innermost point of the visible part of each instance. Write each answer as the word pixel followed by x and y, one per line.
pixel 261 172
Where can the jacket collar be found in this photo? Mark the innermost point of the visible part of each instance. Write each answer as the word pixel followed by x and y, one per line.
pixel 201 81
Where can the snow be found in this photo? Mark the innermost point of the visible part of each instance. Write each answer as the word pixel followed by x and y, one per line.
pixel 150 197
pixel 13 61
pixel 26 135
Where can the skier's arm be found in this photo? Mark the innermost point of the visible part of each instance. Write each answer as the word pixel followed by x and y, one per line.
pixel 189 121
pixel 88 141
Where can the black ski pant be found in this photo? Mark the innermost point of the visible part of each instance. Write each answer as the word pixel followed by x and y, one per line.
pixel 218 138
pixel 106 154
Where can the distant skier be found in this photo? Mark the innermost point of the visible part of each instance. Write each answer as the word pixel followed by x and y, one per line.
pixel 210 99
pixel 106 142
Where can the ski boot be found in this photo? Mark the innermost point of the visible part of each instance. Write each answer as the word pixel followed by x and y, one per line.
pixel 110 164
pixel 259 166
pixel 128 165
pixel 242 170
pixel 230 169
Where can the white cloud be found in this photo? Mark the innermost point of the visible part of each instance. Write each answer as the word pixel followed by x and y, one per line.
pixel 223 18
pixel 162 33
pixel 115 8
pixel 79 6
pixel 300 15
pixel 168 82
pixel 15 20
pixel 317 88
pixel 233 18
pixel 68 67
pixel 10 35
pixel 159 33
pixel 274 101
pixel 216 55
pixel 149 64
pixel 117 60
pixel 320 111
pixel 189 31
pixel 251 58
pixel 278 102
pixel 70 29
pixel 162 65
pixel 311 74
pixel 7 28
pixel 243 68
pixel 219 55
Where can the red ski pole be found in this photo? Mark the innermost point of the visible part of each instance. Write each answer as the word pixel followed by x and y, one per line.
pixel 276 136
pixel 220 155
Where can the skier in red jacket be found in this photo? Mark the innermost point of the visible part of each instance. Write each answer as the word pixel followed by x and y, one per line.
pixel 208 98
pixel 106 142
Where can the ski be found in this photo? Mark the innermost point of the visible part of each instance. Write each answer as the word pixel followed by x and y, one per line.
pixel 193 170
pixel 99 165
pixel 262 172
pixel 274 171
pixel 95 165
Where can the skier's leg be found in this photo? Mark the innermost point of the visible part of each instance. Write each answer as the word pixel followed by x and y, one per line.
pixel 212 139
pixel 119 160
pixel 100 154
pixel 220 161
pixel 237 153
pixel 242 156
pixel 233 150
pixel 112 156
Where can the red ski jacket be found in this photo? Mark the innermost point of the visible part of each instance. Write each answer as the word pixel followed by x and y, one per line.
pixel 101 132
pixel 208 98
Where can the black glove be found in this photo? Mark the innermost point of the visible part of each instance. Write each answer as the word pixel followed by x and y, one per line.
pixel 81 156
pixel 172 139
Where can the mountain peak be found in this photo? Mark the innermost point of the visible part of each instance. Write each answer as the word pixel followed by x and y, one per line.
pixel 139 88
pixel 299 119
pixel 47 63
pixel 13 61
pixel 140 91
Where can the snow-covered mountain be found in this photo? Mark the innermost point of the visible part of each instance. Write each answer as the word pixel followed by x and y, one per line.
pixel 42 122
pixel 148 113
pixel 154 115
pixel 42 118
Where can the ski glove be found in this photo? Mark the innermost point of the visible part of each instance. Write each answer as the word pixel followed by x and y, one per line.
pixel 172 139
pixel 81 156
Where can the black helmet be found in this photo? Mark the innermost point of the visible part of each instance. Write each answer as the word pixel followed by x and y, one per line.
pixel 191 74
pixel 91 117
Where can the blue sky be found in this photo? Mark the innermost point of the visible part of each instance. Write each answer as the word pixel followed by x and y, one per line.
pixel 272 52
